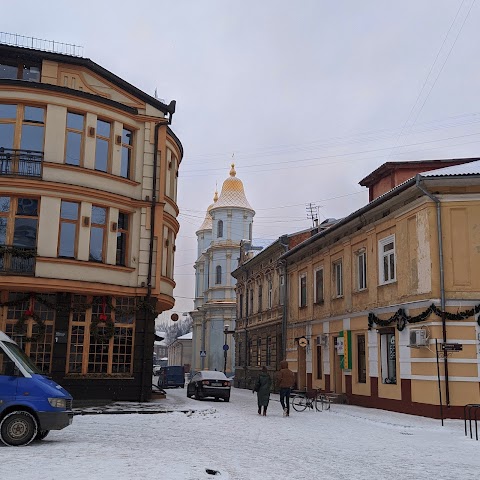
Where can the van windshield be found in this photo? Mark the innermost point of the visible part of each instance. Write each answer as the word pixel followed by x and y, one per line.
pixel 20 356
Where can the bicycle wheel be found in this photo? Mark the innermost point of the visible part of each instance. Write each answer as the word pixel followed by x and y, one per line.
pixel 318 403
pixel 299 403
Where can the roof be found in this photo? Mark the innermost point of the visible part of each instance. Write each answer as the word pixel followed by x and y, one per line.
pixel 233 193
pixel 472 168
pixel 388 167
pixel 37 55
pixel 207 222
pixel 462 169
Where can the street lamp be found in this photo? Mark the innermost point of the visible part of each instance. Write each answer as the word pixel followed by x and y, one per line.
pixel 226 331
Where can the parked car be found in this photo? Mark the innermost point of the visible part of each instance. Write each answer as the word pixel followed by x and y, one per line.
pixel 171 376
pixel 31 403
pixel 209 384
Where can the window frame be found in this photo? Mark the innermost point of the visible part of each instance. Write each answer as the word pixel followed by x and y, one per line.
pixel 319 301
pixel 126 232
pixel 270 294
pixel 105 234
pixel 220 229
pixel 218 275
pixel 108 139
pixel 382 255
pixel 82 139
pixel 259 298
pixel 302 290
pixel 338 278
pixel 70 222
pixel 130 148
pixel 361 269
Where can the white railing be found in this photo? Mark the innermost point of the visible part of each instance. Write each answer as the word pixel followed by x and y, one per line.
pixel 40 44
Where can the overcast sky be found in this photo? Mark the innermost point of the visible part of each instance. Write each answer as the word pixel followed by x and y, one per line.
pixel 310 96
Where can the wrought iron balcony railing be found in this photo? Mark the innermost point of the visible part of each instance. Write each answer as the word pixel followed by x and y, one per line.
pixel 20 163
pixel 17 260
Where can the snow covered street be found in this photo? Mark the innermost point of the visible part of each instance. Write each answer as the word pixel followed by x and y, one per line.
pixel 346 442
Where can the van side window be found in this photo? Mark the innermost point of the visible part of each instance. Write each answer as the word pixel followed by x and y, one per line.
pixel 7 367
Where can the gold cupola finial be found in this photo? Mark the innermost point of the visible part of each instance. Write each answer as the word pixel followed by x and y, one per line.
pixel 215 197
pixel 232 170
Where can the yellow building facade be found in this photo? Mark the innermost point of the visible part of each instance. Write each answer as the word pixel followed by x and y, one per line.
pixel 88 220
pixel 378 294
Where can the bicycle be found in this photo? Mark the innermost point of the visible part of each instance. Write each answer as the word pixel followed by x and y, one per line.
pixel 312 399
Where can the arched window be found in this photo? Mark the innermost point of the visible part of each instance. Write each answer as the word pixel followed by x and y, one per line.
pixel 220 229
pixel 218 277
pixel 249 231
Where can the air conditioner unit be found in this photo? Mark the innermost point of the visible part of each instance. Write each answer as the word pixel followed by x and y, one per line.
pixel 322 340
pixel 418 338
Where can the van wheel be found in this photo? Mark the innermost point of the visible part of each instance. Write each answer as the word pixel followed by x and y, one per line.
pixel 42 434
pixel 18 428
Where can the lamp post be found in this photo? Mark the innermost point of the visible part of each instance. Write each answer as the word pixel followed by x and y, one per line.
pixel 226 331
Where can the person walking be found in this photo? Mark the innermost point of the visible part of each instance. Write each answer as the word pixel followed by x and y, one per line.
pixel 262 387
pixel 285 382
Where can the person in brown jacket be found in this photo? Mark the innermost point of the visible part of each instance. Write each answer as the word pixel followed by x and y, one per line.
pixel 285 382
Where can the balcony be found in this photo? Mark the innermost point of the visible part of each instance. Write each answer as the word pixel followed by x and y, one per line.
pixel 20 163
pixel 17 260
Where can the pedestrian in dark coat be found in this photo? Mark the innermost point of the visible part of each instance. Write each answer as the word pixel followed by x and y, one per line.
pixel 262 387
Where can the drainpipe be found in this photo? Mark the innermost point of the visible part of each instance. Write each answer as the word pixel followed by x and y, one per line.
pixel 150 251
pixel 442 277
pixel 284 312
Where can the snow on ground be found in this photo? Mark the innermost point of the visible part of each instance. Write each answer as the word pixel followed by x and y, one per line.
pixel 346 442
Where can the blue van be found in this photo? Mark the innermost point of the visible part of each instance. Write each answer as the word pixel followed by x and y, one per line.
pixel 171 376
pixel 31 404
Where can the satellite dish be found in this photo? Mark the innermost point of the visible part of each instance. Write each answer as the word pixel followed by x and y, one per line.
pixel 174 317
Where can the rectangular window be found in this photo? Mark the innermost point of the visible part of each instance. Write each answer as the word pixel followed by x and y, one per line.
pixel 361 258
pixel 18 234
pixel 259 352
pixel 69 215
pixel 319 362
pixel 127 153
pixel 270 294
pixel 250 307
pixel 361 359
pixel 338 278
pixel 96 353
pixel 22 127
pixel 282 289
pixel 386 260
pixel 102 149
pixel 260 298
pixel 97 234
pixel 268 360
pixel 388 355
pixel 319 286
pixel 240 306
pixel 122 239
pixel 74 139
pixel 302 290
pixel 13 70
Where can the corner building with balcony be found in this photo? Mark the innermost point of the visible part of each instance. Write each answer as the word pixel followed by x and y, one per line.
pixel 88 185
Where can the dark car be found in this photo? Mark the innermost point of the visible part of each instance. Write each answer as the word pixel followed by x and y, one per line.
pixel 171 376
pixel 209 384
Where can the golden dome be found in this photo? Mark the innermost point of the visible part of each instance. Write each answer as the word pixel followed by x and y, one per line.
pixel 232 194
pixel 207 223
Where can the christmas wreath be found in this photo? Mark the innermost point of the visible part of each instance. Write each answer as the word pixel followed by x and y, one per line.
pixel 108 329
pixel 20 326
